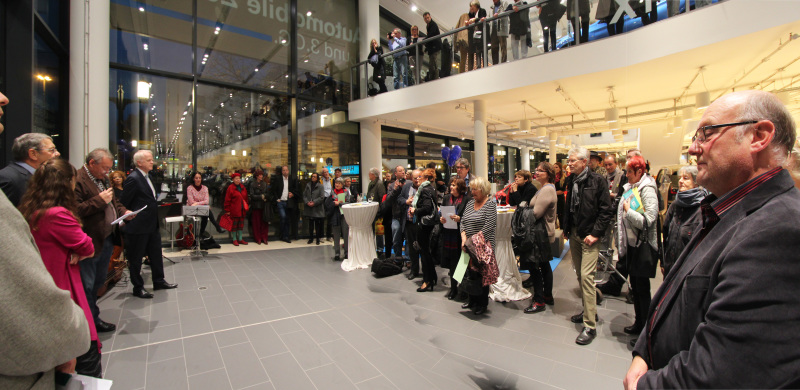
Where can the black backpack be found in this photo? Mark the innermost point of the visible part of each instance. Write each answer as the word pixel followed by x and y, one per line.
pixel 385 267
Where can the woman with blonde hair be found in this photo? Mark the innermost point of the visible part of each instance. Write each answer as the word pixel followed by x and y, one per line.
pixel 480 216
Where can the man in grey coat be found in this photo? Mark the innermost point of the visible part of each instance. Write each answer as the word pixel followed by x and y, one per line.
pixel 727 314
pixel 42 328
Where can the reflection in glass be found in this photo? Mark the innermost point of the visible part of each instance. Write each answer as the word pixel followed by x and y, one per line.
pixel 47 109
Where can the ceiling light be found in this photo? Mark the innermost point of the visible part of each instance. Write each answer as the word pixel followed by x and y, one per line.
pixel 688 113
pixel 143 89
pixel 541 132
pixel 525 125
pixel 677 123
pixel 413 8
pixel 256 69
pixel 553 136
pixel 146 47
pixel 702 100
pixel 141 9
pixel 612 115
pixel 233 152
pixel 308 13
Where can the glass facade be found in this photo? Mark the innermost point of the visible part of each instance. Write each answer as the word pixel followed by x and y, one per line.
pixel 211 85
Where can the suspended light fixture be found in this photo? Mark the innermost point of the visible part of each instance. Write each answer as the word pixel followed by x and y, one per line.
pixel 524 125
pixel 702 100
pixel 688 113
pixel 541 132
pixel 677 123
pixel 553 136
pixel 612 115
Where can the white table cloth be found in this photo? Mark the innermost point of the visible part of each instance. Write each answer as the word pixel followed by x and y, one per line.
pixel 509 283
pixel 361 246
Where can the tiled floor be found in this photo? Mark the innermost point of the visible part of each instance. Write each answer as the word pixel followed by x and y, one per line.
pixel 292 319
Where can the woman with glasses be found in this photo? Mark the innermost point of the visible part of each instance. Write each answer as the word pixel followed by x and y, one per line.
pixel 544 206
pixel 637 240
pixel 422 208
pixel 682 217
pixel 480 215
pixel 451 238
pixel 51 209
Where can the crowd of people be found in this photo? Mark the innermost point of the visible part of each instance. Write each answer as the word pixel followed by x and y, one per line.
pixel 725 310
pixel 512 21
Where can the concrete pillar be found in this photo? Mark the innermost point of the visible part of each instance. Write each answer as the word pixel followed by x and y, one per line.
pixel 525 157
pixel 480 167
pixel 553 147
pixel 90 22
pixel 371 156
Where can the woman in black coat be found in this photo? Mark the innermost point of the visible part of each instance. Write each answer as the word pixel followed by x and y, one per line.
pixel 259 207
pixel 522 190
pixel 476 14
pixel 451 238
pixel 682 217
pixel 378 65
pixel 423 206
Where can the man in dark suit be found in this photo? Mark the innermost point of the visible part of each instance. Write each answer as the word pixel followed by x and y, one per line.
pixel 434 46
pixel 97 208
pixel 727 314
pixel 141 233
pixel 285 192
pixel 29 151
pixel 410 229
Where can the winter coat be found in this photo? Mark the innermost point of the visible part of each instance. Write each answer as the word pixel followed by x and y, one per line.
pixel 520 21
pixel 522 194
pixel 258 194
pixel 679 226
pixel 317 195
pixel 235 200
pixel 635 223
pixel 595 212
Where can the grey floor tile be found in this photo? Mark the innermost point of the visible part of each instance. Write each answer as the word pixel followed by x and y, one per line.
pixel 293 305
pixel 570 377
pixel 164 351
pixel 522 383
pixel 227 278
pixel 330 377
pixel 263 298
pixel 612 366
pixel 377 383
pixel 164 333
pixel 135 308
pixel 132 332
pixel 288 325
pixel 247 312
pixel 167 374
pixel 574 355
pixel 285 373
pixel 202 354
pixel 165 313
pixel 261 386
pixel 210 380
pixel 217 305
pixel 275 313
pixel 357 337
pixel 351 361
pixel 264 340
pixel 189 300
pixel 468 372
pixel 236 293
pixel 194 321
pixel 398 372
pixel 210 288
pixel 127 368
pixel 244 368
pixel 305 350
pixel 317 328
pixel 225 322
pixel 231 337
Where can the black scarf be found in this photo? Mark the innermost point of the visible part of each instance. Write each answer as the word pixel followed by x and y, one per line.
pixel 197 188
pixel 690 198
pixel 576 197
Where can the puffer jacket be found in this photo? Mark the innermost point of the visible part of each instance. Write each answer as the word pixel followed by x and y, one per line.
pixel 595 212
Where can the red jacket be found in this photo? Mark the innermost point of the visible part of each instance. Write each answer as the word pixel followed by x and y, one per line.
pixel 235 201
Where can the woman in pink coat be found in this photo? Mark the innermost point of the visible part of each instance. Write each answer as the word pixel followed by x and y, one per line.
pixel 51 209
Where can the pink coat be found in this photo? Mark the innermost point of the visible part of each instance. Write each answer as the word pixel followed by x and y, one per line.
pixel 58 236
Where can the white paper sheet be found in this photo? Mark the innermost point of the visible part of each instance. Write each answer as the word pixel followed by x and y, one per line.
pixel 447 211
pixel 122 218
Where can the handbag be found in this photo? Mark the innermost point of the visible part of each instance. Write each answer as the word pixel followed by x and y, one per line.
pixel 477 35
pixel 432 218
pixel 225 221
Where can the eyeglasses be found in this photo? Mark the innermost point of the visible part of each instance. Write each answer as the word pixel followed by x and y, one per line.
pixel 50 150
pixel 540 170
pixel 460 167
pixel 702 134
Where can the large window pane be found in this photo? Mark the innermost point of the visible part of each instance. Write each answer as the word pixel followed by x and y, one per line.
pixel 244 42
pixel 152 34
pixel 50 12
pixel 47 105
pixel 151 113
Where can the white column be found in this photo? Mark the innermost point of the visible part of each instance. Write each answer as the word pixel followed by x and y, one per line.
pixel 370 149
pixel 480 167
pixel 88 77
pixel 553 147
pixel 525 157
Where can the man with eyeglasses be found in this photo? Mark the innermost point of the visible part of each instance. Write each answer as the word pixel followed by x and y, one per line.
pixel 727 314
pixel 29 151
pixel 587 215
pixel 462 170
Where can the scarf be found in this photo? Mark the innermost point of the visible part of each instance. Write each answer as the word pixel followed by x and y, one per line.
pixel 100 183
pixel 197 188
pixel 313 185
pixel 416 195
pixel 576 198
pixel 690 198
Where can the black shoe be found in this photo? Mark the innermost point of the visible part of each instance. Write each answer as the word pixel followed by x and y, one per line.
pixel 428 287
pixel 146 261
pixel 412 276
pixel 586 336
pixel 220 230
pixel 103 327
pixel 452 294
pixel 164 286
pixel 528 283
pixel 534 308
pixel 633 329
pixel 578 318
pixel 311 241
pixel 632 343
pixel 467 305
pixel 479 310
pixel 317 242
pixel 142 293
pixel 336 258
pixel 286 240
pixel 549 301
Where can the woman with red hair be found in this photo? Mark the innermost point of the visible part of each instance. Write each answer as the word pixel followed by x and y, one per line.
pixel 637 238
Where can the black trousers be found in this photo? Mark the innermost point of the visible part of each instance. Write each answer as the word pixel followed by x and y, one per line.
pixel 387 236
pixel 413 254
pixel 481 300
pixel 138 246
pixel 428 268
pixel 615 28
pixel 315 222
pixel 641 298
pixel 542 276
pixel 549 35
pixel 204 222
pixel 581 34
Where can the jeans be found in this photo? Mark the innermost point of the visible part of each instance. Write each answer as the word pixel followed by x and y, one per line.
pixel 93 274
pixel 397 237
pixel 400 71
pixel 285 215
